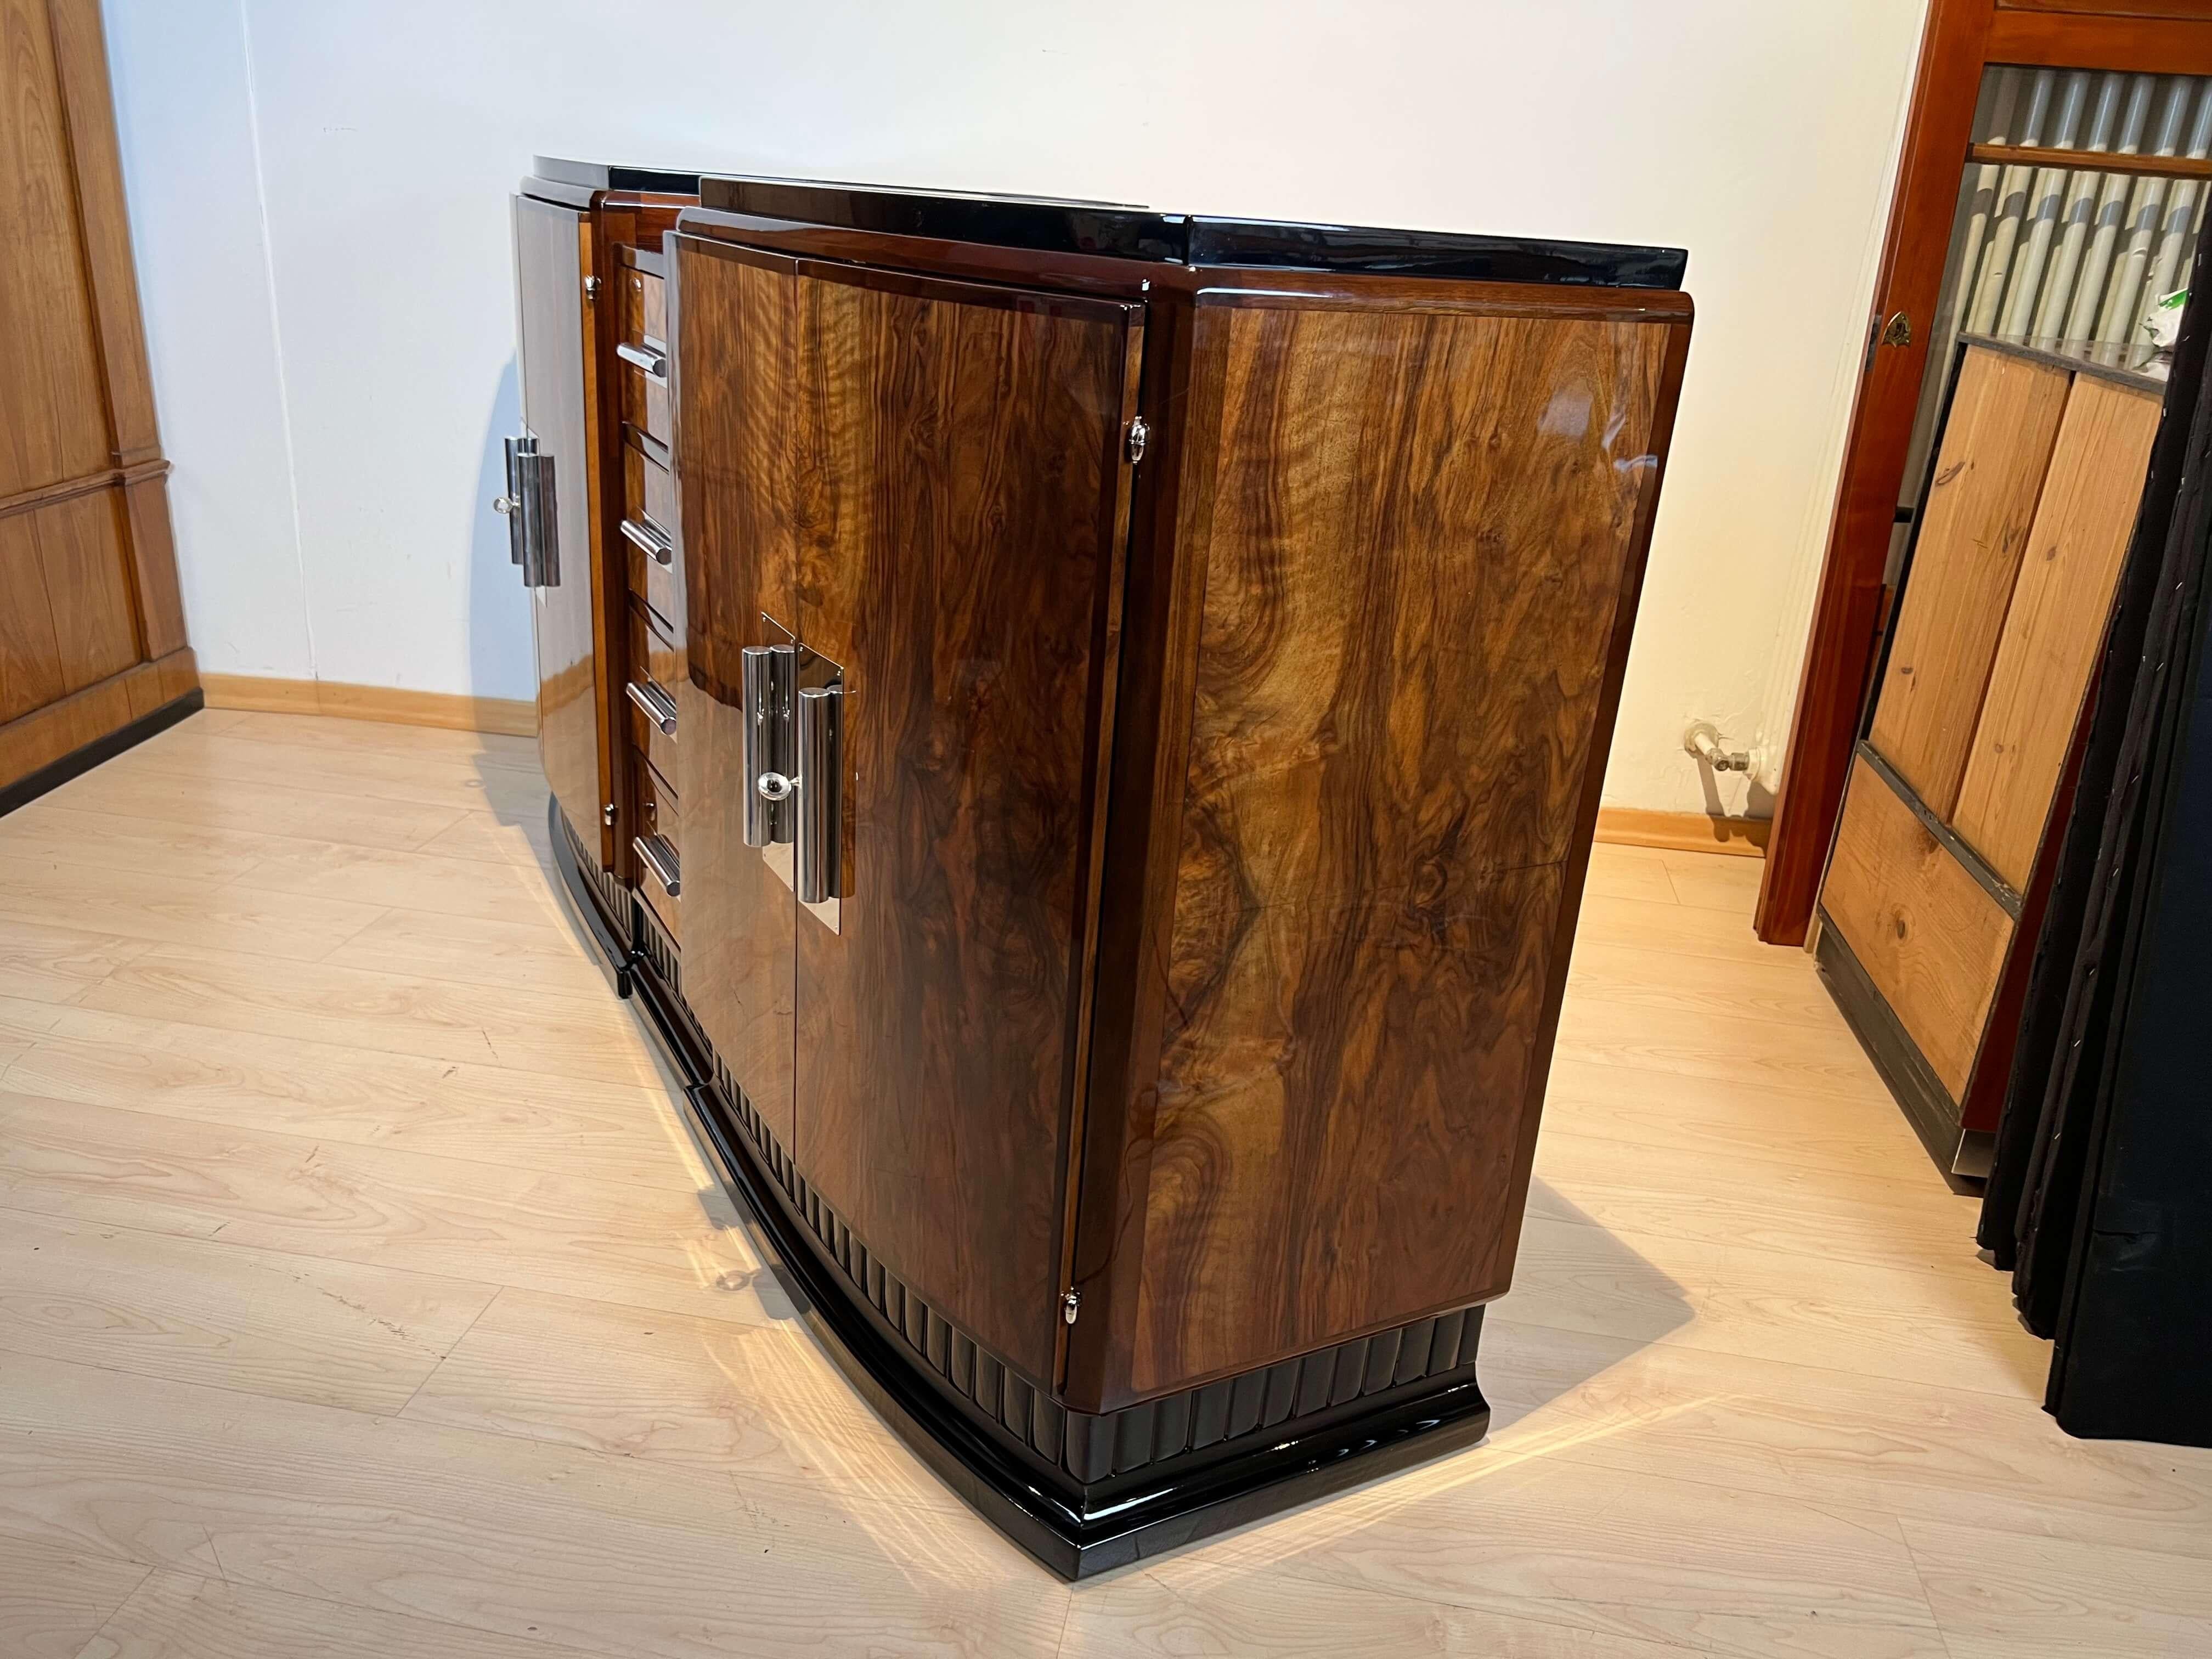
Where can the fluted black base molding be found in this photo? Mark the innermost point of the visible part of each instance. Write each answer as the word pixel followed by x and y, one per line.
pixel 1083 1493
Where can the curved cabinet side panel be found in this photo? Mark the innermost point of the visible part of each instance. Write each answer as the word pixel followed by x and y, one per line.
pixel 1399 677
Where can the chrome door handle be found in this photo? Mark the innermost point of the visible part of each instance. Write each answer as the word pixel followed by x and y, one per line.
pixel 768 673
pixel 531 511
pixel 659 708
pixel 820 857
pixel 653 362
pixel 657 547
pixel 660 858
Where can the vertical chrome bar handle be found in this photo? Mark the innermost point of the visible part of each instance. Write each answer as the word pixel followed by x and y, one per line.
pixel 819 874
pixel 541 562
pixel 509 506
pixel 769 806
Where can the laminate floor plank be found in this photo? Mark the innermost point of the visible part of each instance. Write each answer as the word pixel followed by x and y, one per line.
pixel 515 1120
pixel 331 1333
pixel 53 1602
pixel 663 1249
pixel 2004 1596
pixel 750 1401
pixel 374 1297
pixel 498 1534
pixel 1197 1610
pixel 173 910
pixel 328 734
pixel 461 781
pixel 128 791
pixel 47 832
pixel 437 883
pixel 565 1033
pixel 41 963
pixel 176 1615
pixel 1947 1456
pixel 1629 872
pixel 474 951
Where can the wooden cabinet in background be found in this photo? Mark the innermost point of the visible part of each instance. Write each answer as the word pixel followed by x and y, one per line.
pixel 1929 909
pixel 93 655
pixel 1114 705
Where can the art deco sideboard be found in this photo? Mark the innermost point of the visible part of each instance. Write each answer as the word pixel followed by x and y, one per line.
pixel 1083 728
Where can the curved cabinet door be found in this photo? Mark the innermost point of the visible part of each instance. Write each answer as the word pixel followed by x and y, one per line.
pixel 550 264
pixel 737 413
pixel 962 509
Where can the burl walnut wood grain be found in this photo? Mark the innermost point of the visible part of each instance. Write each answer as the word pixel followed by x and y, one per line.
pixel 962 492
pixel 738 406
pixel 1422 526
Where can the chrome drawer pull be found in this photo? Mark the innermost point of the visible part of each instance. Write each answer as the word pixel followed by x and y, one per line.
pixel 659 708
pixel 653 362
pixel 660 858
pixel 657 546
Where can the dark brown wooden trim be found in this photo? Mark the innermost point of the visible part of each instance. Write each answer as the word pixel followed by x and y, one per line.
pixel 1847 615
pixel 2146 46
pixel 68 489
pixel 2082 161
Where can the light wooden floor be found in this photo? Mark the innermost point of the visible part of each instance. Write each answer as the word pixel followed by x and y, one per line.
pixel 361 1294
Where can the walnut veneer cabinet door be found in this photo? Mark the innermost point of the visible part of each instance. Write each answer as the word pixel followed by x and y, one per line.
pixel 739 412
pixel 1420 532
pixel 551 258
pixel 92 629
pixel 962 497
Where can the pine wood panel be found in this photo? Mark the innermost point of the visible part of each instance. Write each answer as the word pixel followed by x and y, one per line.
pixel 1368 893
pixel 734 317
pixel 958 560
pixel 1930 939
pixel 2054 627
pixel 1997 443
pixel 1767 1442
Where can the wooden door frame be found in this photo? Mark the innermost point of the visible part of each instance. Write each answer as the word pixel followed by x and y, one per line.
pixel 1962 38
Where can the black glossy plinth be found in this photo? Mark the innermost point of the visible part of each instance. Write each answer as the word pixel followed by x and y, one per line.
pixel 1292 1449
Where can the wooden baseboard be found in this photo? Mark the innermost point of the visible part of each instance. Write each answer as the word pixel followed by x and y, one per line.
pixel 34 741
pixel 507 717
pixel 1683 832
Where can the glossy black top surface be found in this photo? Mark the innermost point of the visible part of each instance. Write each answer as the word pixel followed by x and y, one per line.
pixel 1120 230
pixel 601 175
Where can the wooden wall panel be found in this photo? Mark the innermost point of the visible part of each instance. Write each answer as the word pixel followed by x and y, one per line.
pixel 1367 897
pixel 88 587
pixel 112 280
pixel 89 591
pixel 30 657
pixel 2004 416
pixel 1929 936
pixel 57 424
pixel 2055 628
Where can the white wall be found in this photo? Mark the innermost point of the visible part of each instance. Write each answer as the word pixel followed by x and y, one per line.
pixel 318 191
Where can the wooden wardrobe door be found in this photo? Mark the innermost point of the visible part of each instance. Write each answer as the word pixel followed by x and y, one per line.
pixel 737 407
pixel 572 743
pixel 963 494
